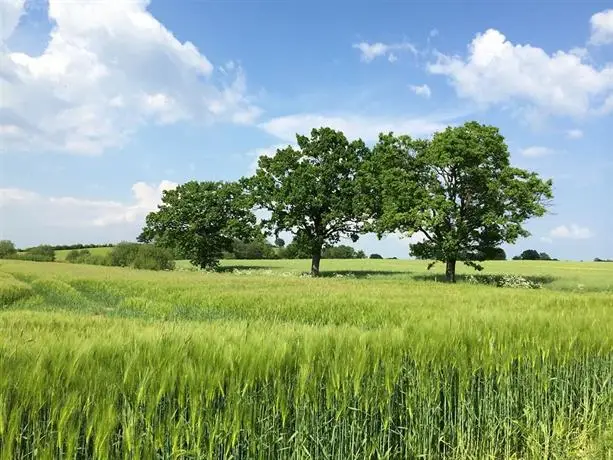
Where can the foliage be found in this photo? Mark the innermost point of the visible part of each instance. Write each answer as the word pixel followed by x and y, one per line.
pixel 314 191
pixel 258 248
pixel 530 254
pixel 459 190
pixel 201 220
pixel 124 254
pixel 296 249
pixel 279 242
pixel 65 247
pixel 339 252
pixel 78 256
pixel 533 254
pixel 376 256
pixel 151 257
pixel 494 254
pixel 102 362
pixel 7 249
pixel 42 253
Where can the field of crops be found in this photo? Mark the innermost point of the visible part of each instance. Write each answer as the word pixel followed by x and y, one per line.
pixel 375 361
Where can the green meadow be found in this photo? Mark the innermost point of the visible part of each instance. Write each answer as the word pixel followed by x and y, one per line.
pixel 376 359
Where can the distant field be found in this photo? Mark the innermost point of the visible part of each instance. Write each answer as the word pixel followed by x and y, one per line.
pixel 258 362
pixel 569 276
pixel 61 254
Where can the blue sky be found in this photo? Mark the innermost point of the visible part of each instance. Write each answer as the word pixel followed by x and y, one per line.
pixel 103 104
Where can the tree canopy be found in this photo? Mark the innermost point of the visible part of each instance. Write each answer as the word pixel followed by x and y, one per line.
pixel 201 220
pixel 314 191
pixel 458 190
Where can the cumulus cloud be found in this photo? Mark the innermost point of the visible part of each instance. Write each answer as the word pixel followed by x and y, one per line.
pixel 496 71
pixel 571 232
pixel 28 216
pixel 108 66
pixel 354 126
pixel 371 51
pixel 602 28
pixel 574 134
pixel 536 151
pixel 421 90
pixel 264 152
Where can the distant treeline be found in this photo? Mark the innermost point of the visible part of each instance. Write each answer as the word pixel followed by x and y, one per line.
pixel 261 248
pixel 533 254
pixel 64 247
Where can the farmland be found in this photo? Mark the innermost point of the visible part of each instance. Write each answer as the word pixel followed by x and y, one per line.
pixel 374 361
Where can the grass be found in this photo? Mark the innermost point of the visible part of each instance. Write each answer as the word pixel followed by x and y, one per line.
pixel 104 362
pixel 60 255
pixel 566 276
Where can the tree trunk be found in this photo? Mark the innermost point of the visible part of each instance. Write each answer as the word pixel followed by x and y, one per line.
pixel 450 271
pixel 315 260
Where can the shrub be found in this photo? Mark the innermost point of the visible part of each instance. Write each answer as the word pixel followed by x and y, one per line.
pixel 84 256
pixel 339 252
pixel 42 253
pixel 376 256
pixel 76 256
pixel 124 254
pixel 151 257
pixel 7 249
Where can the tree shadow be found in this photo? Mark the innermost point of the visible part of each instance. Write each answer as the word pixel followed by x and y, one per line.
pixel 361 273
pixel 485 278
pixel 231 268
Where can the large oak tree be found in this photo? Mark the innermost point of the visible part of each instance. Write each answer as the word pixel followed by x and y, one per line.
pixel 201 220
pixel 459 190
pixel 313 191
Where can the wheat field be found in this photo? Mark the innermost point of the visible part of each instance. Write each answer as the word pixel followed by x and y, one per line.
pixel 376 360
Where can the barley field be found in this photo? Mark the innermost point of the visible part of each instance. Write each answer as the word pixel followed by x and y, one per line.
pixel 374 360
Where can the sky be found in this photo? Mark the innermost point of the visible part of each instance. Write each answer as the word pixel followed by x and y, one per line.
pixel 104 104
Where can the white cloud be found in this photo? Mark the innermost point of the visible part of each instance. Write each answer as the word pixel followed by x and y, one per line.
pixel 498 72
pixel 421 90
pixel 433 33
pixel 537 151
pixel 354 126
pixel 371 51
pixel 572 232
pixel 108 67
pixel 264 152
pixel 28 216
pixel 10 13
pixel 602 28
pixel 574 134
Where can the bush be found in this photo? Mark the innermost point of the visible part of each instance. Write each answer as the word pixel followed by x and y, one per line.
pixel 42 253
pixel 259 248
pixel 151 257
pixel 84 256
pixel 7 249
pixel 144 256
pixel 339 252
pixel 124 254
pixel 376 256
pixel 78 256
